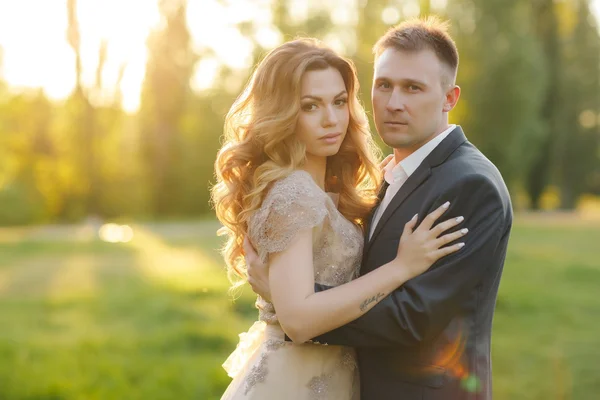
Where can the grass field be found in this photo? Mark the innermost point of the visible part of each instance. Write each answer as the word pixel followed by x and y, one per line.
pixel 151 319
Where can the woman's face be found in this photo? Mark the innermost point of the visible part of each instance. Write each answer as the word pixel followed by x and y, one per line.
pixel 324 113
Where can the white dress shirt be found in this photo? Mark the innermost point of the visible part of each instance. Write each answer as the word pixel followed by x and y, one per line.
pixel 397 174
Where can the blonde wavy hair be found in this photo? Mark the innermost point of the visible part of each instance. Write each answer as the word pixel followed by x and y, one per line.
pixel 260 145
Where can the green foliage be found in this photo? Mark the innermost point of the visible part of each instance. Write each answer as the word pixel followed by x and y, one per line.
pixel 164 96
pixel 501 76
pixel 530 100
pixel 20 204
pixel 578 140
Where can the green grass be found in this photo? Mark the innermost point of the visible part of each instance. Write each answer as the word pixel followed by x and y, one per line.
pixel 151 319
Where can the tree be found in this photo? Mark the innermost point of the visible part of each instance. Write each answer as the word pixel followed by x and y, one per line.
pixel 84 134
pixel 165 93
pixel 578 142
pixel 502 77
pixel 369 29
pixel 539 174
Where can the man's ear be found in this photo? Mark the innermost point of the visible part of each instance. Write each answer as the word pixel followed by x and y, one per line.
pixel 451 99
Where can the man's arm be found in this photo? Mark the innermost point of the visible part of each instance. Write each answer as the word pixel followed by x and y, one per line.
pixel 420 309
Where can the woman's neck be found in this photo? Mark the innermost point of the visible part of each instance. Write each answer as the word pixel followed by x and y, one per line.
pixel 316 167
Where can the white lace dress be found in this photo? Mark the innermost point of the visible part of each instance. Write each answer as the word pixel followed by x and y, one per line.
pixel 264 366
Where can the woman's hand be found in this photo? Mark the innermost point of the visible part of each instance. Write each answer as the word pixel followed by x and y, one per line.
pixel 421 247
pixel 385 161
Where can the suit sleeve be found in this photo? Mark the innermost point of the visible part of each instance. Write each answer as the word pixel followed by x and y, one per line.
pixel 419 310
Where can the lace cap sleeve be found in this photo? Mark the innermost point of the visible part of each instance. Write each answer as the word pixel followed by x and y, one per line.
pixel 293 204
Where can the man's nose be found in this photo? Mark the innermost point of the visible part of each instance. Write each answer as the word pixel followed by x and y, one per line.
pixel 396 101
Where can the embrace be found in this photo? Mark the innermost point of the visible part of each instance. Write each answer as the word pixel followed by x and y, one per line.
pixel 375 280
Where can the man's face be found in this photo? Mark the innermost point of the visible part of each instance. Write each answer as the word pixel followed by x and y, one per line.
pixel 409 98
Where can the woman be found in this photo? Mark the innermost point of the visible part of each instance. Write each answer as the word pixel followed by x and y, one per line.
pixel 297 175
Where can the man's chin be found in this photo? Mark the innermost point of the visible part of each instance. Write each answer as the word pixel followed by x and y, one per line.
pixel 397 140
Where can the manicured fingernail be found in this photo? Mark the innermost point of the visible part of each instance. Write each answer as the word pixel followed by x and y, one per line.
pixel 446 204
pixel 460 219
pixel 460 245
pixel 464 231
pixel 415 217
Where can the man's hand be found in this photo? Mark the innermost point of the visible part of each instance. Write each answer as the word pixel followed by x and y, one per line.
pixel 258 273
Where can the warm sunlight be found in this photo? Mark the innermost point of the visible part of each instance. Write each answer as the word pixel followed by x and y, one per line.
pixel 35 52
pixel 213 25
pixel 596 8
pixel 119 125
pixel 43 58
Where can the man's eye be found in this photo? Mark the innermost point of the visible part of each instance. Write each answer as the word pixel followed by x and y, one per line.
pixel 384 85
pixel 414 88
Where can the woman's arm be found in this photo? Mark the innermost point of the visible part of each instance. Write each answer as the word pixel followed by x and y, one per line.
pixel 258 272
pixel 418 311
pixel 304 314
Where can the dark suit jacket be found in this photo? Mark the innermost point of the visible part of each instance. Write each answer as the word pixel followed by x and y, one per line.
pixel 430 338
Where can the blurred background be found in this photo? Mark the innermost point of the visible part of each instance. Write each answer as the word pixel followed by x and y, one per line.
pixel 111 285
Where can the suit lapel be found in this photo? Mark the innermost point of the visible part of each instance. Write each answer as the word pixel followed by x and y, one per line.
pixel 421 174
pixel 413 182
pixel 369 221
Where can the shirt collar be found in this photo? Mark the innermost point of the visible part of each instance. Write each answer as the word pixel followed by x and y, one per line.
pixel 394 172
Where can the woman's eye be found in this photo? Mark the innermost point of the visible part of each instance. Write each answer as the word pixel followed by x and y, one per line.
pixel 341 102
pixel 309 107
pixel 384 85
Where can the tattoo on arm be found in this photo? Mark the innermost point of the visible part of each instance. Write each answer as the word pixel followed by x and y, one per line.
pixel 365 304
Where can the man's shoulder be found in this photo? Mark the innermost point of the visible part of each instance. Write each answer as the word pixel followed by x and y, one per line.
pixel 467 162
pixel 469 168
pixel 468 154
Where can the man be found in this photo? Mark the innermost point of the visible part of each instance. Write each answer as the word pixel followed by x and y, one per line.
pixel 430 338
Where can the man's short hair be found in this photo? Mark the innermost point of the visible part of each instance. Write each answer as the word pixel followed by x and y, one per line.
pixel 420 34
